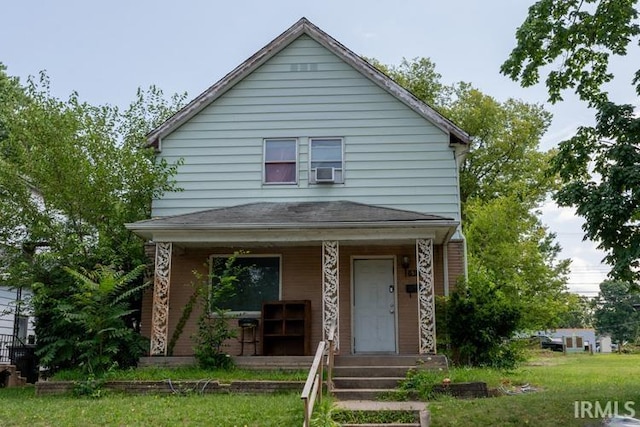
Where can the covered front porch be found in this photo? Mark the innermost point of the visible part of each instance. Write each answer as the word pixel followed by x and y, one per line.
pixel 371 271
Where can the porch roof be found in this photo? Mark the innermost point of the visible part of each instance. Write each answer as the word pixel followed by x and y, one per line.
pixel 271 222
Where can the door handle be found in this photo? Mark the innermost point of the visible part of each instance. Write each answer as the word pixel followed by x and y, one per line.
pixel 392 308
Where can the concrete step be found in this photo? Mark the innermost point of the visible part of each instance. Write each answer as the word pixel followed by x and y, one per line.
pixel 274 362
pixel 362 382
pixel 13 377
pixel 413 360
pixel 361 393
pixel 370 371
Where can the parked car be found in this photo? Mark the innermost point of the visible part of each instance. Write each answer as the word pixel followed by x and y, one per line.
pixel 546 342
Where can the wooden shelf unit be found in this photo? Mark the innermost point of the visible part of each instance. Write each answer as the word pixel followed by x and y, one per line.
pixel 286 328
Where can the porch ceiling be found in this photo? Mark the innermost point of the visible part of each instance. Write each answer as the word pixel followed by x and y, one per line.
pixel 296 224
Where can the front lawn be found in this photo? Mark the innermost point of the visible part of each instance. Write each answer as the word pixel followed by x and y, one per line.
pixel 595 382
pixel 20 407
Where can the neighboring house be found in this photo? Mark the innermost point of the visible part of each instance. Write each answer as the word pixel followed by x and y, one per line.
pixel 341 186
pixel 13 313
pixel 16 325
pixel 577 339
pixel 16 322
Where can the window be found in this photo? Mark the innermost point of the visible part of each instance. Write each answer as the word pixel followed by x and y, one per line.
pixel 280 161
pixel 259 281
pixel 22 326
pixel 327 153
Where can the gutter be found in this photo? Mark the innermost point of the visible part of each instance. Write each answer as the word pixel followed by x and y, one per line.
pixel 291 226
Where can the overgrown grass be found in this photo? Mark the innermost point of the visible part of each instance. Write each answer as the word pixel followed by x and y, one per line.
pixel 561 381
pixel 152 373
pixel 20 407
pixel 373 417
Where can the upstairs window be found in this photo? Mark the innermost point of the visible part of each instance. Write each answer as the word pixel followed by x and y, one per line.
pixel 326 153
pixel 280 161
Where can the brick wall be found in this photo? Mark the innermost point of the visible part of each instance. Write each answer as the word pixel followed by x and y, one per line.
pixel 302 279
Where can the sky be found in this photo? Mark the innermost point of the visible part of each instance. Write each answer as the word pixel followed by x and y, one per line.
pixel 106 50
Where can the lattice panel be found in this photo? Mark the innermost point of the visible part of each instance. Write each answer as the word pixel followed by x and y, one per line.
pixel 426 303
pixel 160 312
pixel 330 288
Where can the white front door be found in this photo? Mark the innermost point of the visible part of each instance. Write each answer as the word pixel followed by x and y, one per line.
pixel 374 306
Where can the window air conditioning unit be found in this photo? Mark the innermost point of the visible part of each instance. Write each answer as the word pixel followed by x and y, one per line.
pixel 325 175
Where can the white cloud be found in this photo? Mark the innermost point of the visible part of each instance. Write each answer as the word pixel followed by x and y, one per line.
pixel 587 269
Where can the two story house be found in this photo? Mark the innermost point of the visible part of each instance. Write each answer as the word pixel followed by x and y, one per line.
pixel 340 187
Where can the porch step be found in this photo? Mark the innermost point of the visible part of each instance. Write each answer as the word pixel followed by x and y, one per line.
pixel 411 360
pixel 372 394
pixel 274 362
pixel 380 371
pixel 246 362
pixel 377 382
pixel 370 371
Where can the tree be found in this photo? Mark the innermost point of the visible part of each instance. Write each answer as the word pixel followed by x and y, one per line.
pixel 579 313
pixel 504 178
pixel 504 158
pixel 615 313
pixel 577 37
pixel 509 243
pixel 72 175
pixel 599 166
pixel 418 76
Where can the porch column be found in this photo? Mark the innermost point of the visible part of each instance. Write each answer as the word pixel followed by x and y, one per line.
pixel 330 288
pixel 160 309
pixel 426 303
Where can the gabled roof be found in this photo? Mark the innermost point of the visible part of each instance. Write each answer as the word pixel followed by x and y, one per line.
pixel 304 26
pixel 290 214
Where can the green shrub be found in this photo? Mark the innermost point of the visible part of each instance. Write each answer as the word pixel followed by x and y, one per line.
pixel 213 331
pixel 90 387
pixel 213 322
pixel 323 414
pixel 89 327
pixel 422 382
pixel 481 321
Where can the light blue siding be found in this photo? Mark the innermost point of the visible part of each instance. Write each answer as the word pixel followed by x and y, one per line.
pixel 393 156
pixel 7 310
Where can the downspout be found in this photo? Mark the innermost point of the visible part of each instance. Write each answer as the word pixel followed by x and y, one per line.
pixel 16 314
pixel 466 264
pixel 445 262
pixel 458 159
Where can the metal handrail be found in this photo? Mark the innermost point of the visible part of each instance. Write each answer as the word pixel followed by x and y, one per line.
pixel 7 344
